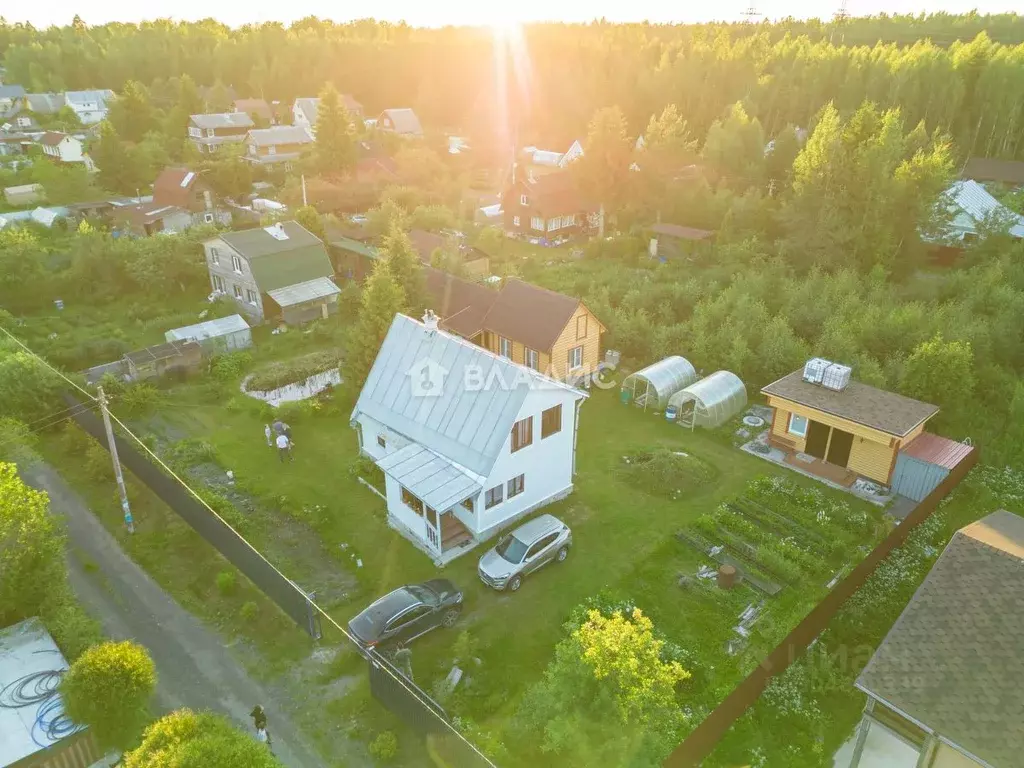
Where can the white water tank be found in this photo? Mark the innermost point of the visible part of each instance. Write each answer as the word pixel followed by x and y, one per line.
pixel 836 377
pixel 814 369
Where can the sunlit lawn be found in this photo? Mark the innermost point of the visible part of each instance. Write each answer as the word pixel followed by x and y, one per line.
pixel 623 540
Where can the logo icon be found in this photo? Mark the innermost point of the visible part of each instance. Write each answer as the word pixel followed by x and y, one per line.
pixel 427 378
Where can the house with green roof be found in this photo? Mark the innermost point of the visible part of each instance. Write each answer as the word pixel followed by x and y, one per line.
pixel 280 272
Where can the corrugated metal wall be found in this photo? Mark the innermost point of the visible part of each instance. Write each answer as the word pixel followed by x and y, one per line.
pixel 914 478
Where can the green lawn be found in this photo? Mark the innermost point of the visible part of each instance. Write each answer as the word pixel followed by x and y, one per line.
pixel 624 542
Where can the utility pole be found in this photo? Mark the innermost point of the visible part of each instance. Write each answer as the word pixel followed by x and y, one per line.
pixel 112 444
pixel 304 203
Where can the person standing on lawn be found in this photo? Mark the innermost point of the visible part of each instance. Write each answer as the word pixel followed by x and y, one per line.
pixel 269 433
pixel 284 448
pixel 280 428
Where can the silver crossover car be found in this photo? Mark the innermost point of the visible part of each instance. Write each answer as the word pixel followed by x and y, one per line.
pixel 523 551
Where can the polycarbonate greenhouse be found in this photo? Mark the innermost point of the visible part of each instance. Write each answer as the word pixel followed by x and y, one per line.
pixel 710 402
pixel 656 383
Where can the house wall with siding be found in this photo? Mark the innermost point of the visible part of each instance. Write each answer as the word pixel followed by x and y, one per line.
pixel 222 268
pixel 591 344
pixel 947 757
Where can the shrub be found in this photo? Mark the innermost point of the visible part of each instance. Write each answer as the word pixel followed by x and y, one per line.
pixel 108 689
pixel 227 582
pixel 384 747
pixel 140 398
pixel 249 611
pixel 72 628
pixel 230 367
pixel 97 462
pixel 187 738
pixel 666 473
pixel 192 451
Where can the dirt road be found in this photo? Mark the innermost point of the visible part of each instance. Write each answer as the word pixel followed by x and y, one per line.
pixel 195 668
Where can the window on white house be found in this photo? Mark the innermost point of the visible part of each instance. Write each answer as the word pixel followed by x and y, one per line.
pixel 218 283
pixel 524 200
pixel 214 256
pixel 493 497
pixel 238 291
pixel 271 150
pixel 522 433
pixel 195 133
pixel 505 347
pixel 236 264
pixel 210 133
pixel 797 425
pixel 551 421
pixel 531 359
pixel 381 441
pixel 576 358
pixel 251 297
pixel 555 223
pixel 468 504
pixel 515 221
pixel 412 501
pixel 516 486
pixel 537 222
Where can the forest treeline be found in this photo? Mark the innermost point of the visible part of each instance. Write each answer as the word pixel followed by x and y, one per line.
pixel 961 75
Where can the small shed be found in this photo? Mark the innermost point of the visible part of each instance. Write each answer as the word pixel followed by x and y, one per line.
pixel 225 334
pixel 309 300
pixel 655 384
pixel 159 360
pixel 710 402
pixel 24 194
pixel 924 463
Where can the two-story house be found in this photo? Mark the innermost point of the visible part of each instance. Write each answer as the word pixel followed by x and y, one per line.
pixel 469 442
pixel 402 122
pixel 209 132
pixel 89 106
pixel 540 329
pixel 181 200
pixel 258 110
pixel 276 272
pixel 304 111
pixel 548 206
pixel 279 144
pixel 945 689
pixel 62 147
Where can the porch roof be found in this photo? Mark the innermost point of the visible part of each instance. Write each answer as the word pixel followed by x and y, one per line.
pixel 437 481
pixel 309 290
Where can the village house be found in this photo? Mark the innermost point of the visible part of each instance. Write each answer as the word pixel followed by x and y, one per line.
pixel 468 441
pixel 279 144
pixel 209 132
pixel 402 122
pixel 44 103
pixel 541 329
pixel 276 272
pixel 973 209
pixel 181 200
pixel 304 111
pixel 469 260
pixel 257 109
pixel 89 106
pixel 842 429
pixel 12 100
pixel 548 207
pixel 62 147
pixel 946 687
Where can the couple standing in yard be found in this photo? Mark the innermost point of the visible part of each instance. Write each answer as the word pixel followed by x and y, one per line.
pixel 280 434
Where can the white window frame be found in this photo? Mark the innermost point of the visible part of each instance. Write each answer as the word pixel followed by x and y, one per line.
pixel 524 200
pixel 555 223
pixel 252 297
pixel 569 221
pixel 515 486
pixel 494 496
pixel 214 256
pixel 576 358
pixel 195 133
pixel 208 218
pixel 271 150
pixel 515 221
pixel 236 264
pixel 531 358
pixel 210 133
pixel 505 347
pixel 537 223
pixel 791 427
pixel 237 290
pixel 218 283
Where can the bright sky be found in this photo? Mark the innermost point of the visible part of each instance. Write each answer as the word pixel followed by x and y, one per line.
pixel 473 12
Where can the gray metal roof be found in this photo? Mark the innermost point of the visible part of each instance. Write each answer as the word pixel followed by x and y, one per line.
pixel 434 479
pixel 11 91
pixel 280 134
pixel 308 290
pixel 83 97
pixel 974 200
pixel 309 107
pixel 223 120
pixel 404 121
pixel 464 423
pixel 211 329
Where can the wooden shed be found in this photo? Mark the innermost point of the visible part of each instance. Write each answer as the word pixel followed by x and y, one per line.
pixel 859 427
pixel 156 361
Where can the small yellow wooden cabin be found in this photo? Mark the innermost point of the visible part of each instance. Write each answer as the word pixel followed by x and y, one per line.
pixel 860 427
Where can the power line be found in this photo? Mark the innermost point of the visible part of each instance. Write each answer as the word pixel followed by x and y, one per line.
pixel 399 678
pixel 51 423
pixel 18 341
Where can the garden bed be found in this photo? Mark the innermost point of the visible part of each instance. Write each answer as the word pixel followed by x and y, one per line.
pixel 666 473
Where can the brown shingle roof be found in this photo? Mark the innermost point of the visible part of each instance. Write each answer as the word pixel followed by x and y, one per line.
pixel 460 304
pixel 952 661
pixel 254 107
pixel 529 314
pixel 860 403
pixel 52 138
pixel 556 194
pixel 175 186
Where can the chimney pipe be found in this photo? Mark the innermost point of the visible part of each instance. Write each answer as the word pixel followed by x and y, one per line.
pixel 430 320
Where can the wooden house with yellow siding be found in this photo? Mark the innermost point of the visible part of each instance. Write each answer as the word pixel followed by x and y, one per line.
pixel 541 329
pixel 857 427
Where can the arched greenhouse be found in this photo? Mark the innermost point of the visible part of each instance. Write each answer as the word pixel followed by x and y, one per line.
pixel 710 402
pixel 655 384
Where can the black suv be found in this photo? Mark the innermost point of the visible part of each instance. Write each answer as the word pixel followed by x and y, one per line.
pixel 407 613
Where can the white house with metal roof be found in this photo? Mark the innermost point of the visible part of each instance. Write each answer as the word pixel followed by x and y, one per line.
pixel 89 106
pixel 972 208
pixel 468 441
